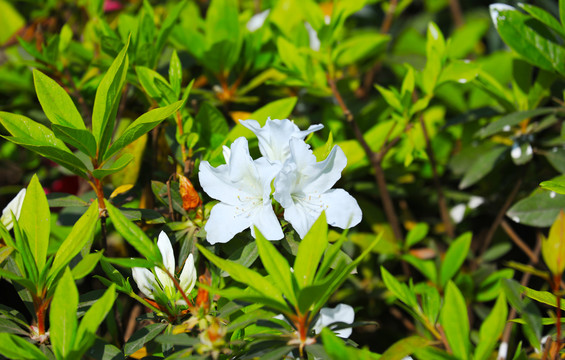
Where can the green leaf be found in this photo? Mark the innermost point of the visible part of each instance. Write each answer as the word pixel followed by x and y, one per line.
pixel 527 309
pixel 143 336
pixel 63 316
pixel 545 17
pixel 455 322
pixel 539 209
pixel 168 26
pixel 481 166
pixel 360 47
pixel 544 297
pixel 213 125
pixel 310 252
pixel 15 347
pixel 221 22
pixel 113 166
pixel 391 98
pixel 458 71
pixel 80 138
pixel 553 247
pixel 92 319
pixel 81 234
pixel 399 290
pixel 56 102
pixel 175 73
pixel 491 329
pixel 454 258
pixel 38 138
pixel 555 186
pixel 134 235
pixel 528 37
pixel 141 126
pixel 511 120
pixel 64 200
pixel 107 99
pixel 404 347
pixel 35 221
pixel 86 265
pixel 276 265
pixel 416 234
pixel 130 262
pixel 155 85
pixel 247 276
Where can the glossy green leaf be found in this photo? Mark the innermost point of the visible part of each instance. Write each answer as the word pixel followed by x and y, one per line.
pixel 458 71
pixel 155 85
pixel 63 316
pixel 454 258
pixel 310 252
pixel 544 297
pixel 491 329
pixel 141 126
pixel 130 262
pixel 134 235
pixel 400 291
pixel 108 96
pixel 222 22
pixel 455 322
pixel 56 102
pixel 405 347
pixel 35 221
pixel 80 138
pixel 90 322
pixel 113 166
pixel 416 234
pixel 545 17
pixel 213 125
pixel 168 26
pixel 16 347
pixel 175 73
pixel 38 138
pixel 81 234
pixel 276 265
pixel 86 265
pixel 539 209
pixel 482 166
pixel 512 119
pixel 246 276
pixel 143 336
pixel 528 37
pixel 527 309
pixel 360 47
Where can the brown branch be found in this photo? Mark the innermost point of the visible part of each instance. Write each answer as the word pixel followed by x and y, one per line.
pixel 375 160
pixel 518 241
pixel 389 17
pixel 500 217
pixel 456 13
pixel 444 212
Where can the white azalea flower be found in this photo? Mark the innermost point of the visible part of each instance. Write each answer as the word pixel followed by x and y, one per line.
pixel 148 283
pixel 303 188
pixel 341 313
pixel 243 186
pixel 256 22
pixel 274 137
pixel 15 207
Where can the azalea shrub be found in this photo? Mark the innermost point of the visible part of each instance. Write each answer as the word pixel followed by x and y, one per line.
pixel 282 179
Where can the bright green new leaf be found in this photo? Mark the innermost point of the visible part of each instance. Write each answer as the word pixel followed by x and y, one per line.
pixel 555 186
pixel 16 347
pixel 113 166
pixel 35 221
pixel 246 276
pixel 86 265
pixel 156 86
pixel 404 347
pixel 80 138
pixel 391 98
pixel 553 247
pixel 276 265
pixel 491 329
pixel 91 321
pixel 416 234
pixel 544 297
pixel 455 322
pixel 141 126
pixel 81 234
pixel 454 258
pixel 400 290
pixel 222 22
pixel 360 47
pixel 56 102
pixel 107 99
pixel 458 71
pixel 310 252
pixel 175 73
pixel 134 235
pixel 63 316
pixel 42 140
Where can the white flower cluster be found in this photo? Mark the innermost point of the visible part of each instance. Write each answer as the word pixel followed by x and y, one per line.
pixel 302 185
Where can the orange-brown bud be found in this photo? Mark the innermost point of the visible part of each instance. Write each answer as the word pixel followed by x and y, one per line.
pixel 190 198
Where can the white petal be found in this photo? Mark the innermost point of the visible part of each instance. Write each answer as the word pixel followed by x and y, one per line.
pixel 216 183
pixel 300 218
pixel 241 163
pixel 14 206
pixel 267 223
pixel 267 172
pixel 341 208
pixel 144 280
pixel 225 221
pixel 324 174
pixel 341 313
pixel 256 22
pixel 168 256
pixel 188 275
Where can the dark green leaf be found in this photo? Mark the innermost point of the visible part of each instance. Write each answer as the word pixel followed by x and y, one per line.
pixel 64 200
pixel 80 138
pixel 113 166
pixel 544 17
pixel 143 336
pixel 213 125
pixel 405 347
pixel 539 209
pixel 512 120
pixel 481 166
